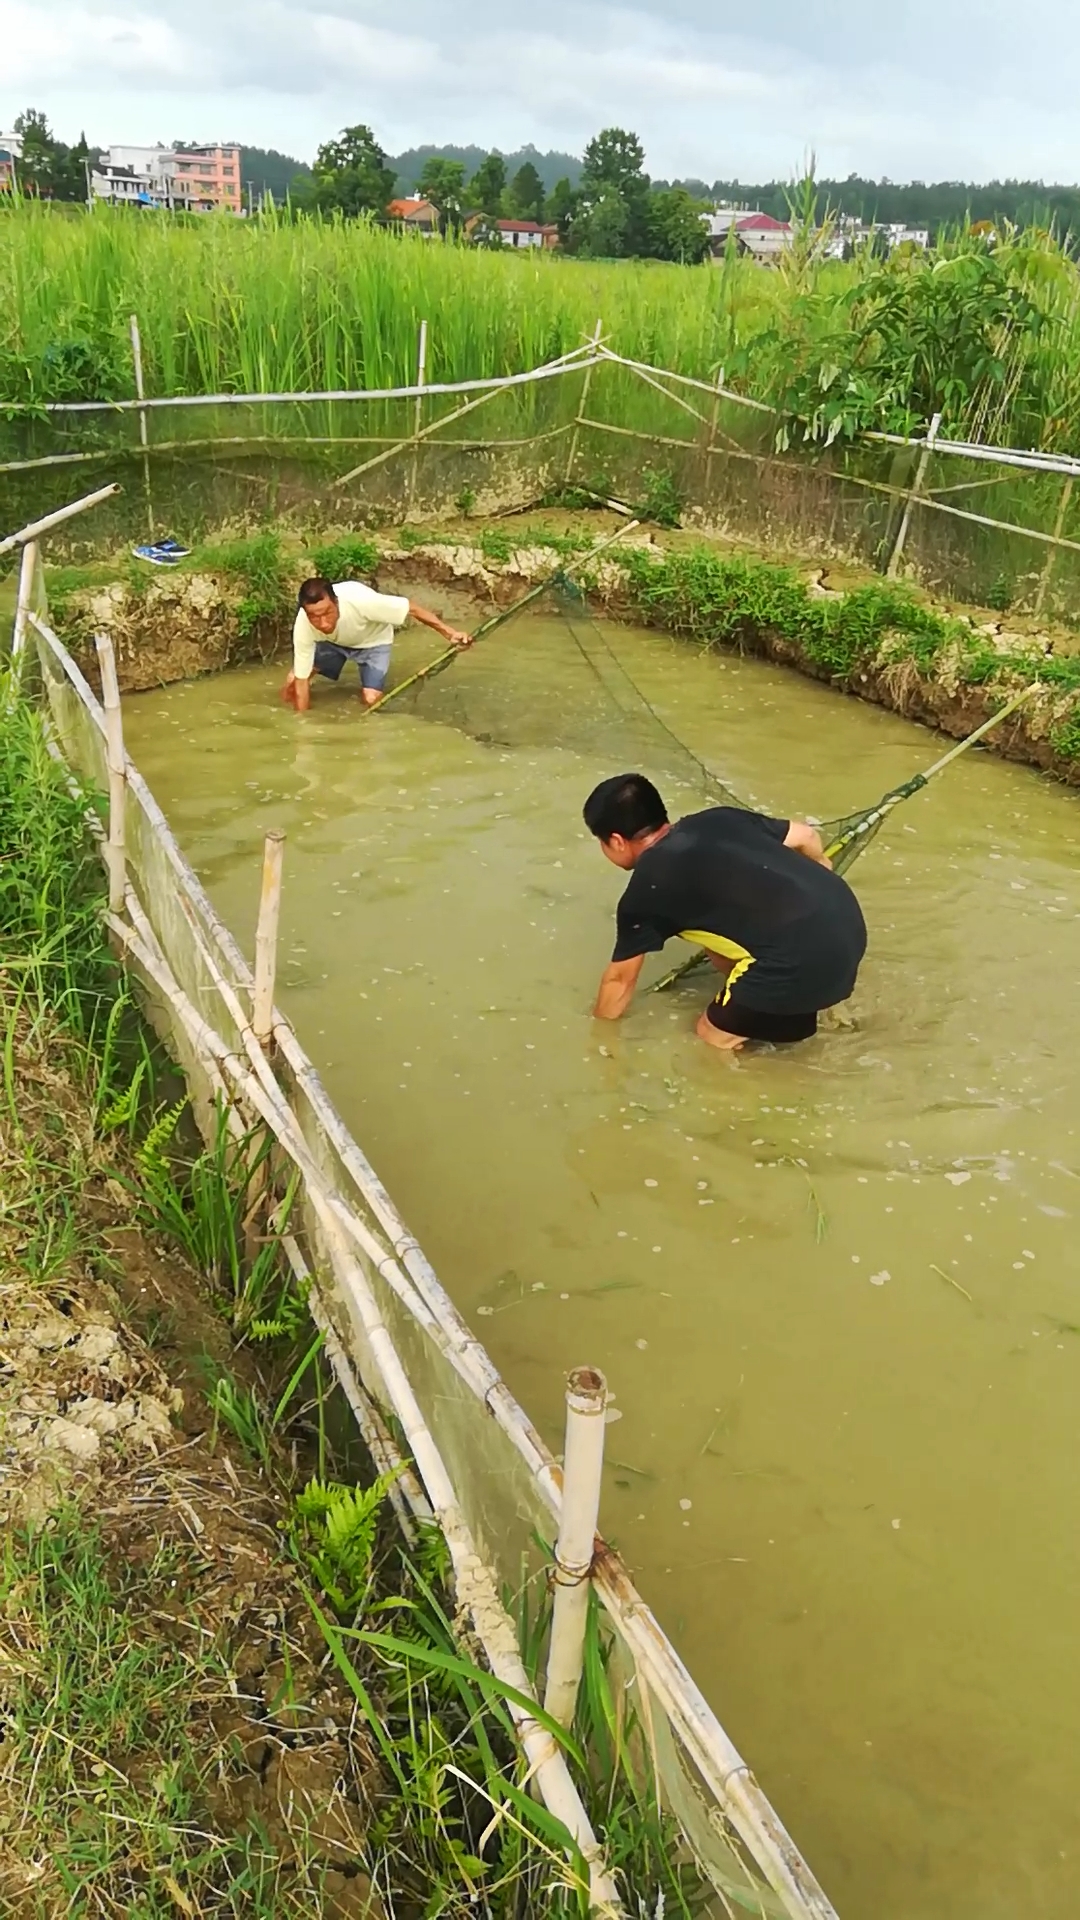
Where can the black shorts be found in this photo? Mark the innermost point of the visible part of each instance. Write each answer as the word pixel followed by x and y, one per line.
pixel 756 1023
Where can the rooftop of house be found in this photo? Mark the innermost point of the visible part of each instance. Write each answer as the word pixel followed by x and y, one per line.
pixel 413 205
pixel 519 226
pixel 762 223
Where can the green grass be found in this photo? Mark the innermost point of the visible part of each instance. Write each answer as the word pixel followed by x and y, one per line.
pixel 722 600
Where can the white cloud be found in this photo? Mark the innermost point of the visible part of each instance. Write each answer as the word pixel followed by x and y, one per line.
pixel 914 89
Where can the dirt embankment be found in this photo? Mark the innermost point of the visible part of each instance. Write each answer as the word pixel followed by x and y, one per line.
pixel 191 622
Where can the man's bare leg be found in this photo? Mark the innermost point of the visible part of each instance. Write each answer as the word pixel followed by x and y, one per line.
pixel 371 696
pixel 716 1037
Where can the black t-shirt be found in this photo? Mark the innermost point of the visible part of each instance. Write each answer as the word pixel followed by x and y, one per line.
pixel 725 880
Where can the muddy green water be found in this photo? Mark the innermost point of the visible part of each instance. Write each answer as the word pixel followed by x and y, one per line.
pixel 848 1487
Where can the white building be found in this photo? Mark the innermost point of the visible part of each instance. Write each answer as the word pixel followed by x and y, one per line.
pixel 188 180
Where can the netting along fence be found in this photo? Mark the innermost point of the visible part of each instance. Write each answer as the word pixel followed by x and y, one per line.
pixel 394 1336
pixel 984 524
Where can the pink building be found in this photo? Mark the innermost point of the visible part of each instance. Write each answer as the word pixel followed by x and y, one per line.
pixel 210 177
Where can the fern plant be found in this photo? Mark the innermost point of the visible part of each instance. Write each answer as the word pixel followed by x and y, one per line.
pixel 333 1533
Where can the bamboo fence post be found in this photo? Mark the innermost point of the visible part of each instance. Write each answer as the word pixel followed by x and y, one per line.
pixel 117 765
pixel 24 604
pixel 896 556
pixel 418 411
pixel 711 448
pixel 144 436
pixel 1059 524
pixel 266 933
pixel 583 1465
pixel 583 403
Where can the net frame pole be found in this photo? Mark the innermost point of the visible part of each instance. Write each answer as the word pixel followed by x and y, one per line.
pixel 144 432
pixel 575 1544
pixel 592 345
pixel 914 492
pixel 266 937
pixel 116 761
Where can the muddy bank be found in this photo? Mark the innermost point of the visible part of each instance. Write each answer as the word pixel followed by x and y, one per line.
pixel 948 666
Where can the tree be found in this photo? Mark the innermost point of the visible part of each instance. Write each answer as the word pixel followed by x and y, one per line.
pixel 37 166
pixel 676 229
pixel 560 207
pixel 443 183
pixel 525 194
pixel 614 166
pixel 601 230
pixel 351 176
pixel 487 186
pixel 48 167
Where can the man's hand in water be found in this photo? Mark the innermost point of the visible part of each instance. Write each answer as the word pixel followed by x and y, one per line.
pixel 297 693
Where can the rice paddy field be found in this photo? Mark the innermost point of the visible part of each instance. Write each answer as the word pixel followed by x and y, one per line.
pixel 985 331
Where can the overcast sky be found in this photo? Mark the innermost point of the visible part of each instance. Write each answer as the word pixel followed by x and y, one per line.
pixel 923 89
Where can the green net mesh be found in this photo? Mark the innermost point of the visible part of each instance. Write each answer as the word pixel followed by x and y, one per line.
pixel 552 677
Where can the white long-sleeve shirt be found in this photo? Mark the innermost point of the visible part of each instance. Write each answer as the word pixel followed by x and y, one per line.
pixel 365 619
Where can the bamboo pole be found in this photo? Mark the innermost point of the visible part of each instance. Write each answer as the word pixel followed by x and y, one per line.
pixel 491 391
pixel 1059 523
pixel 28 568
pixel 897 553
pixel 548 371
pixel 593 347
pixel 144 437
pixel 266 934
pixel 418 413
pixel 38 527
pixel 117 764
pixel 583 1466
pixel 710 451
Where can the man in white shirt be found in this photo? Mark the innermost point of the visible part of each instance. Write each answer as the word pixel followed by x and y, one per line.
pixel 336 624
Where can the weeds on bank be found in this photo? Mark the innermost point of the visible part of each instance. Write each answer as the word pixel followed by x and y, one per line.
pixel 100 1708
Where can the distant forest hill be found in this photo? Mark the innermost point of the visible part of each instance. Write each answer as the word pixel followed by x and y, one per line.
pixel 265 170
pixel 944 203
pixel 550 166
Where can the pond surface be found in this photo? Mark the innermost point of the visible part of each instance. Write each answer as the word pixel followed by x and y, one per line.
pixel 836 1288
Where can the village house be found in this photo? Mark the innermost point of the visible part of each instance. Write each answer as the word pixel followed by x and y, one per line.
pixel 756 234
pixel 415 214
pixel 10 155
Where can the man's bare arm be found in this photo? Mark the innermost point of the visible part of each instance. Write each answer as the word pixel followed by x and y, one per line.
pixel 428 619
pixel 297 693
pixel 806 839
pixel 617 988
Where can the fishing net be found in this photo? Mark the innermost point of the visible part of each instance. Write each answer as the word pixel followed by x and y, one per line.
pixel 558 683
pixel 563 683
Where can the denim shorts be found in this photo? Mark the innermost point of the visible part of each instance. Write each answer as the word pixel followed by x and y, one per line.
pixel 373 662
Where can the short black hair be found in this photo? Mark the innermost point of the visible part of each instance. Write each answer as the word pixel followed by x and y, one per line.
pixel 627 804
pixel 314 590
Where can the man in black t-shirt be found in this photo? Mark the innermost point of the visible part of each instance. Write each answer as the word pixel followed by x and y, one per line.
pixel 758 894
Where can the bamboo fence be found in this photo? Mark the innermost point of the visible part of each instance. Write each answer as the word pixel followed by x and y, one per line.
pixel 592 356
pixel 393 1336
